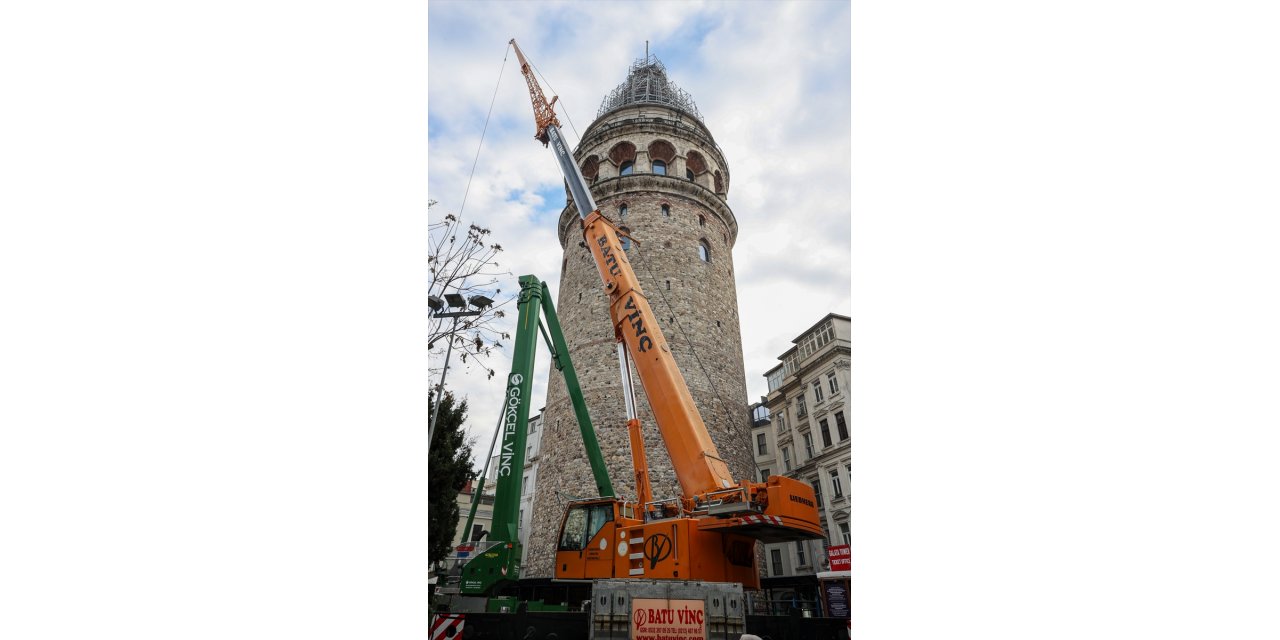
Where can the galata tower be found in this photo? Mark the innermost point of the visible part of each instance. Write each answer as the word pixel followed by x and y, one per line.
pixel 656 171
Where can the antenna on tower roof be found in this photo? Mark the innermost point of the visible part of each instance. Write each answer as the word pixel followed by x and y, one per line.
pixel 646 51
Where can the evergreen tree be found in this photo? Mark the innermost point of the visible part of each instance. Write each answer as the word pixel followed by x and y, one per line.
pixel 449 469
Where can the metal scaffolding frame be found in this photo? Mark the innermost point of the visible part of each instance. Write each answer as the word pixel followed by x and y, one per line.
pixel 647 83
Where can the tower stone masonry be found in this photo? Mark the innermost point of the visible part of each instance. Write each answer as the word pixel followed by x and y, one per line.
pixel 656 171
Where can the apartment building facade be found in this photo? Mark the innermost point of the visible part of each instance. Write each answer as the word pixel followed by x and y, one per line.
pixel 801 429
pixel 528 484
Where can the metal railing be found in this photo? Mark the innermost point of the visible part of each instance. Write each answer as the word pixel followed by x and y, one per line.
pixel 803 607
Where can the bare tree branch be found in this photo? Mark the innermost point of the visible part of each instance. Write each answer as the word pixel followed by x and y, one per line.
pixel 462 259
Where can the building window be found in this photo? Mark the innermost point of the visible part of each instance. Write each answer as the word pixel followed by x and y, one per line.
pixel 626 168
pixel 668 285
pixel 782 421
pixel 704 251
pixel 776 556
pixel 801 411
pixel 666 211
pixel 688 174
pixel 817 392
pixel 626 239
pixel 786 458
pixel 844 532
pixel 622 211
pixel 762 444
pixel 836 490
pixel 826 433
pixel 808 445
pixel 764 475
pixel 801 560
pixel 841 428
pixel 760 413
pixel 659 168
pixel 831 383
pixel 476 532
pixel 817 492
pixel 524 486
pixel 702 221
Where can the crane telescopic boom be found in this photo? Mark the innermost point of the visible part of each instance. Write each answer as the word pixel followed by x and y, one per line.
pixel 697 464
pixel 714 510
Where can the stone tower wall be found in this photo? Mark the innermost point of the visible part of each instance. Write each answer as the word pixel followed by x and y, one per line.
pixel 695 303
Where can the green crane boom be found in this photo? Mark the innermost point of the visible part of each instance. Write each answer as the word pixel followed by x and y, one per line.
pixel 500 562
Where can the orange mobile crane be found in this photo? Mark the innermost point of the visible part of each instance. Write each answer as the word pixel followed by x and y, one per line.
pixel 708 533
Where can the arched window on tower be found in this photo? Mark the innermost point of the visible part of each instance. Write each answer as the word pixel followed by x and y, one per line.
pixel 704 251
pixel 622 210
pixel 666 211
pixel 626 168
pixel 688 174
pixel 702 221
pixel 591 168
pixel 659 168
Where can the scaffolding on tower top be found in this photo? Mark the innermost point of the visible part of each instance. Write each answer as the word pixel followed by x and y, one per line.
pixel 647 83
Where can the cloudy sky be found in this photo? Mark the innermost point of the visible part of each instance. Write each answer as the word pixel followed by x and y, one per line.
pixel 772 82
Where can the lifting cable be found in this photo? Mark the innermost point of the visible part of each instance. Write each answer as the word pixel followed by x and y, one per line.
pixel 482 132
pixel 723 405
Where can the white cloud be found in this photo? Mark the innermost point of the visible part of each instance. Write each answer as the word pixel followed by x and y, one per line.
pixel 772 83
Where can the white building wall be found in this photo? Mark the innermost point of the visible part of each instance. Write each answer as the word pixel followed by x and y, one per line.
pixel 822 352
pixel 529 484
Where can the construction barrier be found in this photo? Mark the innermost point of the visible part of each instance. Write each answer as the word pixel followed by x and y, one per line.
pixel 447 626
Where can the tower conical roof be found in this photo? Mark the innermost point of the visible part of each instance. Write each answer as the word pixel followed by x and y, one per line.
pixel 647 83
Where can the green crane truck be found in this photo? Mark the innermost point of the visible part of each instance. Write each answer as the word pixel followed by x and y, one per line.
pixel 494 563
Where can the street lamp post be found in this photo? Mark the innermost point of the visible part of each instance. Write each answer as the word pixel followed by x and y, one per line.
pixel 455 301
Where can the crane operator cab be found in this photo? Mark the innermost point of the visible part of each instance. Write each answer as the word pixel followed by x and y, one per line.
pixel 587 542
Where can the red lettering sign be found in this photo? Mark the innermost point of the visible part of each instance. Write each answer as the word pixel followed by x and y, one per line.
pixel 839 557
pixel 656 619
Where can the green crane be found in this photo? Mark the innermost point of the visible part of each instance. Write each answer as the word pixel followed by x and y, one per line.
pixel 498 563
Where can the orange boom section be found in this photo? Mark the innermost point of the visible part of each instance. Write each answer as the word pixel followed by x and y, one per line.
pixel 697 464
pixel 779 510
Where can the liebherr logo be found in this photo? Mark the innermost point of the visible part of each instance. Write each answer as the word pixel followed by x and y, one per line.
pixel 509 421
pixel 804 501
pixel 643 341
